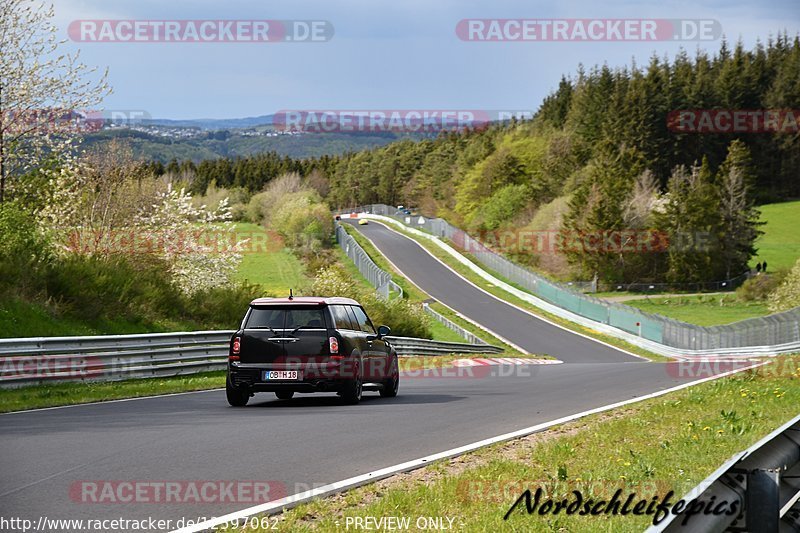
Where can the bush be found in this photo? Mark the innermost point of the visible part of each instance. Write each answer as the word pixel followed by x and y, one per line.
pixel 404 318
pixel 24 251
pixel 304 222
pixel 91 288
pixel 758 288
pixel 222 307
pixel 787 295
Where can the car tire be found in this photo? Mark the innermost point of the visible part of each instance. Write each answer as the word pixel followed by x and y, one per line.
pixel 353 389
pixel 392 384
pixel 236 397
pixel 284 395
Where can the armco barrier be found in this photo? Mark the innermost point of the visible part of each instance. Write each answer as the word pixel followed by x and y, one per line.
pixel 773 330
pixel 762 480
pixel 382 281
pixel 406 346
pixel 449 324
pixel 377 277
pixel 41 360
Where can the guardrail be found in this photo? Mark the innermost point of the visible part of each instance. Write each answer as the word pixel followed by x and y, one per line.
pixel 406 346
pixel 764 480
pixel 40 360
pixel 376 276
pixel 449 324
pixel 382 281
pixel 773 330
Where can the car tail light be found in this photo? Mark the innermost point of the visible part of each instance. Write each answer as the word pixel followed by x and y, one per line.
pixel 237 346
pixel 333 344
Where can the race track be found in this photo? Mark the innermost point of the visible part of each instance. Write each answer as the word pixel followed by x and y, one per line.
pixel 311 440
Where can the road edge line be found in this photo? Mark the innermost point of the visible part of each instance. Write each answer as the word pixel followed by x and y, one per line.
pixel 294 500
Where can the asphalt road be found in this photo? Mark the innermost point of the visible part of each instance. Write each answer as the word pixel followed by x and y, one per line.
pixel 526 331
pixel 311 440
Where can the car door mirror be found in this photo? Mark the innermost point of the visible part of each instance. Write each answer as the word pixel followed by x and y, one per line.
pixel 383 331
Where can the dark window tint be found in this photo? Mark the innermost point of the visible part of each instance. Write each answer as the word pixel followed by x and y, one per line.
pixel 285 318
pixel 352 316
pixel 265 318
pixel 340 317
pixel 363 321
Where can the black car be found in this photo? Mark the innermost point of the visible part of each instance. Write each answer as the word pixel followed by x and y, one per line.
pixel 309 344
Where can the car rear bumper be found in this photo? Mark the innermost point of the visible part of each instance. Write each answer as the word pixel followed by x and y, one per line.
pixel 313 379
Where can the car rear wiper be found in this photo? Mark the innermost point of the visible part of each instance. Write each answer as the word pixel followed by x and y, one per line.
pixel 269 328
pixel 297 328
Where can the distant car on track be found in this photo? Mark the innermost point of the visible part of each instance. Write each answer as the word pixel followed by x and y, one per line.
pixel 363 221
pixel 309 344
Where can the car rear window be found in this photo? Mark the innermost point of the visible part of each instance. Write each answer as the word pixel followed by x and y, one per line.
pixel 285 318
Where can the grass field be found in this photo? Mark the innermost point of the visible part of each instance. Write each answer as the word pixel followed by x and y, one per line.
pixel 780 244
pixel 267 263
pixel 649 448
pixel 702 310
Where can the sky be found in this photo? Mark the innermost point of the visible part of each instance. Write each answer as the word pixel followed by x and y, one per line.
pixel 382 55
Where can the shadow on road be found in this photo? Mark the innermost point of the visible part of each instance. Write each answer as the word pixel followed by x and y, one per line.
pixel 367 400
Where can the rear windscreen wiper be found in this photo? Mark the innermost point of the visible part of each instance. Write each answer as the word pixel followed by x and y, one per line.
pixel 269 328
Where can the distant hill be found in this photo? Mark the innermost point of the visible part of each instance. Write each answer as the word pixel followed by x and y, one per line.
pixel 211 145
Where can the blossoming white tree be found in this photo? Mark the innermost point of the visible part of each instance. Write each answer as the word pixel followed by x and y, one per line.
pixel 199 244
pixel 41 88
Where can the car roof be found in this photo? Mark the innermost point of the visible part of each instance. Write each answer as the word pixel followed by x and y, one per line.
pixel 307 300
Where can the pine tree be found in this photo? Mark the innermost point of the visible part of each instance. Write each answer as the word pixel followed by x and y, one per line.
pixel 739 217
pixel 691 218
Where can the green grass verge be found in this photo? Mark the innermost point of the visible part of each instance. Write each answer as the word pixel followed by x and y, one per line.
pixel 267 263
pixel 780 244
pixel 276 270
pixel 57 394
pixel 19 318
pixel 702 310
pixel 668 443
pixel 493 289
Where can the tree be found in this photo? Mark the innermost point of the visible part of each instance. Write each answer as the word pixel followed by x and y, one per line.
pixel 41 88
pixel 596 215
pixel 691 218
pixel 740 219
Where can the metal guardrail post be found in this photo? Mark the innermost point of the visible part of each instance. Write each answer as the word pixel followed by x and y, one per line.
pixel 761 479
pixel 762 500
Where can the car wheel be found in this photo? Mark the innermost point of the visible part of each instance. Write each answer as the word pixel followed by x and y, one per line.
pixel 284 395
pixel 236 397
pixel 352 390
pixel 391 385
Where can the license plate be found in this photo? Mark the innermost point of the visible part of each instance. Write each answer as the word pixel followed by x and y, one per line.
pixel 274 375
